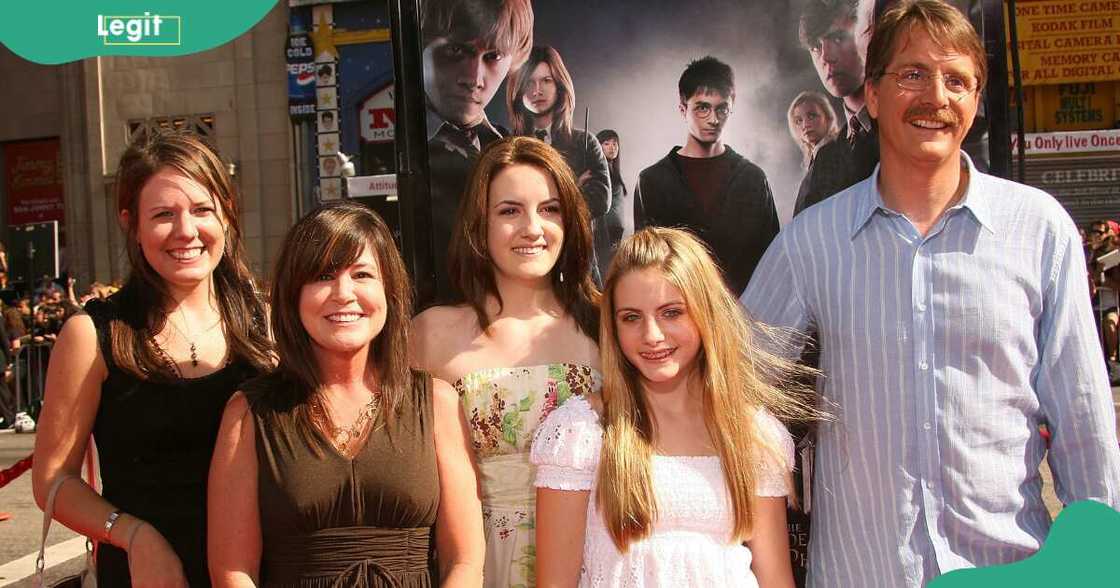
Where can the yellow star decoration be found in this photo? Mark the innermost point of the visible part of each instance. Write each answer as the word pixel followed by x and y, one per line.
pixel 322 36
pixel 329 146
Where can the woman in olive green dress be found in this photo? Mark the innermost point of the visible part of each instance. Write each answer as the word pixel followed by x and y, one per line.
pixel 337 468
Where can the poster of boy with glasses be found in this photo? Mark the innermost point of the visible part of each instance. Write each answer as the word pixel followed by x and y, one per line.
pixel 704 185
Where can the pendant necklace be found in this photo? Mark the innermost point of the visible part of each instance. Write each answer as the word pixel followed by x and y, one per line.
pixel 193 348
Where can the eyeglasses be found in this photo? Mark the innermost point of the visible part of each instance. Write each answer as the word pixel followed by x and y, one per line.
pixel 1098 232
pixel 704 110
pixel 919 80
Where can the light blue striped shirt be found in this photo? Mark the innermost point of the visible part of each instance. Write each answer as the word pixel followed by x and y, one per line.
pixel 942 355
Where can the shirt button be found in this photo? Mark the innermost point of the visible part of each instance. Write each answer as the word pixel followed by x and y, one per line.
pixel 923 365
pixel 927 426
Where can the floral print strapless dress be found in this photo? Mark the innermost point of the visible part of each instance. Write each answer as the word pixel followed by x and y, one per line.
pixel 504 407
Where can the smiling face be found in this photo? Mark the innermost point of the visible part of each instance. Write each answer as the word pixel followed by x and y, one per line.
pixel 836 59
pixel 461 77
pixel 179 229
pixel 923 127
pixel 524 225
pixel 344 311
pixel 706 112
pixel 655 332
pixel 810 122
pixel 540 90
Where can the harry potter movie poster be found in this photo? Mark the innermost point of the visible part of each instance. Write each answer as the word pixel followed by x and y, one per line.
pixel 789 129
pixel 727 117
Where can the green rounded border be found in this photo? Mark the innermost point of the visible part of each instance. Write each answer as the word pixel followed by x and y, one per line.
pixel 53 32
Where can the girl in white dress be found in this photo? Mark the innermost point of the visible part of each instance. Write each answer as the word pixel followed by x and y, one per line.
pixel 677 475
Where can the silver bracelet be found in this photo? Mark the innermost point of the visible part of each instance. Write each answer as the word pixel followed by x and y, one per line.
pixel 109 522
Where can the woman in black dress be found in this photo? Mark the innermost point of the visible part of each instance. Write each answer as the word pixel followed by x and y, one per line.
pixel 148 370
pixel 337 468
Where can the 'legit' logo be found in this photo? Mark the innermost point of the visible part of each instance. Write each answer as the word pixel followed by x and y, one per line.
pixel 150 29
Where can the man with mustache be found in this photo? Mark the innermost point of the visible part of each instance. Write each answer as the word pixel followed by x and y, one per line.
pixel 707 187
pixel 834 32
pixel 954 318
pixel 469 47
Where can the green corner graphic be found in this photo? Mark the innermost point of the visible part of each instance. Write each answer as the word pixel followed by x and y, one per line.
pixel 1080 551
pixel 53 31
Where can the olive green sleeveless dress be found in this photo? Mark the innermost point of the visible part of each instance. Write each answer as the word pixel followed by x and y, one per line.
pixel 331 521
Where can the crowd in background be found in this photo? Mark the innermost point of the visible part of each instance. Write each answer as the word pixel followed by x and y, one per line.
pixel 34 318
pixel 1101 240
pixel 537 428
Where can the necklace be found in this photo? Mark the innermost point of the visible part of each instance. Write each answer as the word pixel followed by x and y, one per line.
pixel 170 363
pixel 342 437
pixel 194 348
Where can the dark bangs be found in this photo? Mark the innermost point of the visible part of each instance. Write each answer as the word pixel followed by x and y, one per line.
pixel 325 241
pixel 330 239
pixel 340 246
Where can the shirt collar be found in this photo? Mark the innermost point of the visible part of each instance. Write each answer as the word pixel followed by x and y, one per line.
pixel 862 116
pixel 976 199
pixel 436 124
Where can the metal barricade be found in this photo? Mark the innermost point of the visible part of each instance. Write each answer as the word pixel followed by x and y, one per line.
pixel 29 367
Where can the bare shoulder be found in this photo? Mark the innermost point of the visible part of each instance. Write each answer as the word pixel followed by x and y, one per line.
pixel 237 407
pixel 447 414
pixel 78 330
pixel 237 416
pixel 439 333
pixel 445 400
pixel 76 346
pixel 438 318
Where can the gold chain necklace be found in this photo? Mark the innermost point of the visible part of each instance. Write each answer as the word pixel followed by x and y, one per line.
pixel 342 437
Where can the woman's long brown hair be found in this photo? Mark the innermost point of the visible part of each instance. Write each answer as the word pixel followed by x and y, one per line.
pixel 143 300
pixel 328 240
pixel 469 266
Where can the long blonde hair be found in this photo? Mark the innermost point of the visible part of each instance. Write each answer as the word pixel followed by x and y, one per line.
pixel 737 378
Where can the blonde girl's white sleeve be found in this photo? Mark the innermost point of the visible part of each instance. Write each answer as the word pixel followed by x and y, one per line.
pixel 566 447
pixel 773 473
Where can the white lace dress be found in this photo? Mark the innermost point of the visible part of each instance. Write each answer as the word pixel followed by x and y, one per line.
pixel 690 544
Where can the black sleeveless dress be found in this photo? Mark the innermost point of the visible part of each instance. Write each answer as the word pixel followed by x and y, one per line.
pixel 155 441
pixel 331 521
